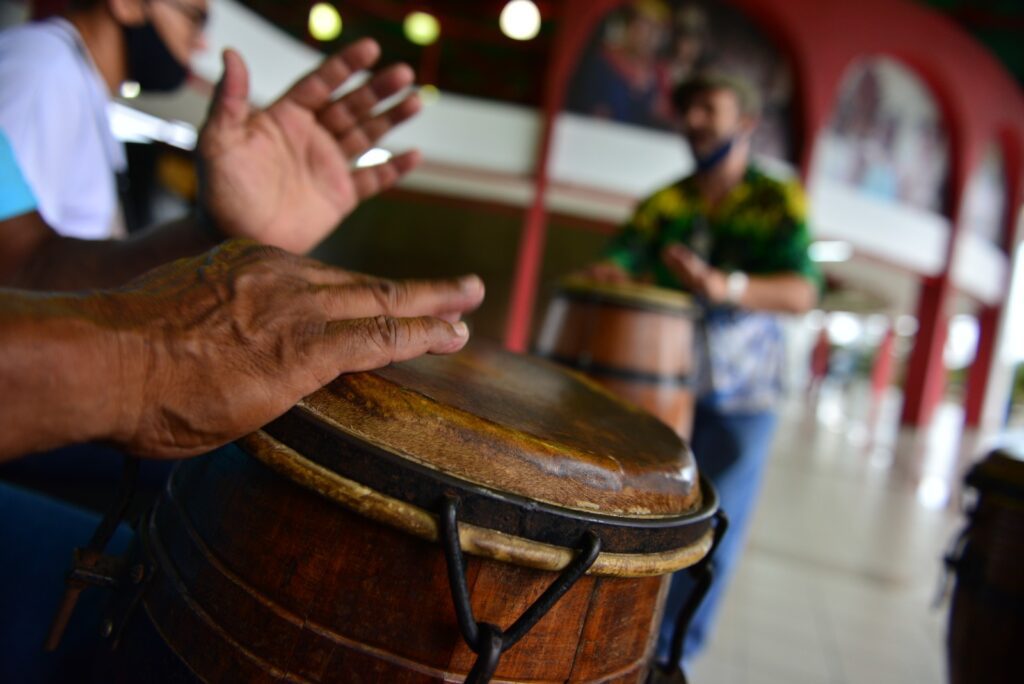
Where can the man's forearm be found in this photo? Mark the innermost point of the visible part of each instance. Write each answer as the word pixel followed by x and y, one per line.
pixel 61 372
pixel 786 293
pixel 53 262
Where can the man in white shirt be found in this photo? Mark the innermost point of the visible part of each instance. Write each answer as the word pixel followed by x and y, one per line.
pixel 56 79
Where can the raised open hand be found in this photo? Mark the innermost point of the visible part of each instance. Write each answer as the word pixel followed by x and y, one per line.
pixel 283 175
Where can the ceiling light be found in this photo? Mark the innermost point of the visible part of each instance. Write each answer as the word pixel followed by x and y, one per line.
pixel 520 20
pixel 324 22
pixel 421 28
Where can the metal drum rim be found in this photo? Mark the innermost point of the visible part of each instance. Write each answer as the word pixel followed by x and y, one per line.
pixel 630 295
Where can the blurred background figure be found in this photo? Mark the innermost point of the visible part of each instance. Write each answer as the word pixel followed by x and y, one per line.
pixel 820 355
pixel 624 80
pixel 736 240
pixel 56 80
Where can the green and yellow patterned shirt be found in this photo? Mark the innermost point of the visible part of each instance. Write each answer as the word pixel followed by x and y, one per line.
pixel 759 228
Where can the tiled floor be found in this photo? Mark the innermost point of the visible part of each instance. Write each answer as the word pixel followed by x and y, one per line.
pixel 843 561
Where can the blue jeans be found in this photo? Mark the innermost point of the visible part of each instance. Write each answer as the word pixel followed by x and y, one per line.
pixel 732 451
pixel 37 536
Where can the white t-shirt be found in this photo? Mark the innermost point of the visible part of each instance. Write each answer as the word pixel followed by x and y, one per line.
pixel 53 109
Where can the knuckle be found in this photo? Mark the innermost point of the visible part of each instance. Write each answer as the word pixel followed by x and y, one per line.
pixel 261 252
pixel 385 332
pixel 389 294
pixel 242 253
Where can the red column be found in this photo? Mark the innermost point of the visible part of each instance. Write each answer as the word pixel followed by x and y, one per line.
pixel 430 64
pixel 531 244
pixel 990 316
pixel 926 373
pixel 881 373
pixel 578 18
pixel 977 376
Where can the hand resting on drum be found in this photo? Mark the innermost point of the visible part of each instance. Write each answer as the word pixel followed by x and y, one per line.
pixel 203 350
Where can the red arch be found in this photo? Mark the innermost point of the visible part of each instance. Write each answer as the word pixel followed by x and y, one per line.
pixel 978 99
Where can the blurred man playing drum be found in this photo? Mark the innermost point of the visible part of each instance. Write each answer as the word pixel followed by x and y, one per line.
pixel 736 239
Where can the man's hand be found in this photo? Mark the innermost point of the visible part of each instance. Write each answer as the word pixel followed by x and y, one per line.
pixel 784 292
pixel 695 274
pixel 204 350
pixel 606 272
pixel 282 175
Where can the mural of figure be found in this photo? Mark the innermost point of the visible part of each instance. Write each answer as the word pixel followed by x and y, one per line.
pixel 886 137
pixel 622 80
pixel 641 52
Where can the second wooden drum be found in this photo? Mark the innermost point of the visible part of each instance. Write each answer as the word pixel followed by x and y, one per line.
pixel 986 625
pixel 329 548
pixel 636 340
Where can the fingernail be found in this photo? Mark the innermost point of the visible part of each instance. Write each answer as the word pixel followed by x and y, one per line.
pixel 461 329
pixel 470 283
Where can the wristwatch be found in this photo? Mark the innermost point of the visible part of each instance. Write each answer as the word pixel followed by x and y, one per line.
pixel 735 285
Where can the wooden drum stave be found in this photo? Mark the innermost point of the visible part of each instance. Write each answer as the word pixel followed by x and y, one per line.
pixel 311 554
pixel 636 340
pixel 986 624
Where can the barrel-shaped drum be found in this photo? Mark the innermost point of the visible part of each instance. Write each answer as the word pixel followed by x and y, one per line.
pixel 467 516
pixel 636 340
pixel 986 626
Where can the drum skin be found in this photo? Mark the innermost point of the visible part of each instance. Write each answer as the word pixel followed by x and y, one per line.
pixel 308 551
pixel 986 628
pixel 635 340
pixel 256 579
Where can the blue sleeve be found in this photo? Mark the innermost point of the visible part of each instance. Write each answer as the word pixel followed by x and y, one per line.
pixel 15 196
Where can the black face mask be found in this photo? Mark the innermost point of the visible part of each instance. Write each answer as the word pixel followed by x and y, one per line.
pixel 150 63
pixel 710 161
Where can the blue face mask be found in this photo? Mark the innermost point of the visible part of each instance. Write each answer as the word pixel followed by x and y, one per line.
pixel 715 157
pixel 150 63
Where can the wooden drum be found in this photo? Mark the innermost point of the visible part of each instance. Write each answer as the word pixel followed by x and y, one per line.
pixel 636 340
pixel 453 517
pixel 986 626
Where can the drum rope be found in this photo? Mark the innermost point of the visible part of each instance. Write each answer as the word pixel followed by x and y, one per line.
pixel 489 641
pixel 703 574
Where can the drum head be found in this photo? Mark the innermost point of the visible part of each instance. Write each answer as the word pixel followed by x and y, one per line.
pixel 533 451
pixel 630 295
